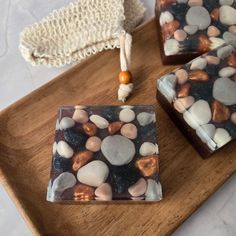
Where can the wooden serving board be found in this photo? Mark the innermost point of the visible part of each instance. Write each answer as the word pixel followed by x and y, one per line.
pixel 26 137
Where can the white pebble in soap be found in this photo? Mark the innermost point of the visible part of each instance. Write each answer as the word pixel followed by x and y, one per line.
pixel 93 174
pixel 54 148
pixel 148 148
pixel 171 47
pixel 227 71
pixel 165 17
pixel 118 150
pixel 154 191
pixel 145 118
pixel 190 29
pixel 201 112
pixel 80 116
pixel 226 2
pixel 199 16
pixel 64 181
pixel 99 121
pixel 221 137
pixel 64 150
pixel 225 51
pixel 127 115
pixel 66 123
pixel 227 15
pixel 198 64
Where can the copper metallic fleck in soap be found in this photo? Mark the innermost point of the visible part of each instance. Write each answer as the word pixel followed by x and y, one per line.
pixel 105 153
pixel 206 112
pixel 189 28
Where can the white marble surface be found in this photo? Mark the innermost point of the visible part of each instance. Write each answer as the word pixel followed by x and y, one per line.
pixel 217 217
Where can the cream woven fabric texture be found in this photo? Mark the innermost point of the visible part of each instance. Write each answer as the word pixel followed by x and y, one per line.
pixel 82 28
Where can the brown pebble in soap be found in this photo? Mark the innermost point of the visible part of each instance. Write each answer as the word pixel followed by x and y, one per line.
pixel 215 14
pixel 114 127
pixel 182 76
pixel 165 3
pixel 232 29
pixel 184 90
pixel 212 31
pixel 83 192
pixel 198 75
pixel 103 192
pixel 203 43
pixel 220 112
pixel 193 3
pixel 233 117
pixel 90 129
pixel 93 144
pixel 148 165
pixel 129 131
pixel 80 116
pixel 180 35
pixel 213 60
pixel 138 188
pixel 81 159
pixel 168 29
pixel 232 60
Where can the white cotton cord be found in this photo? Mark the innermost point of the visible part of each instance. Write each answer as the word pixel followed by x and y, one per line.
pixel 125 59
pixel 125 51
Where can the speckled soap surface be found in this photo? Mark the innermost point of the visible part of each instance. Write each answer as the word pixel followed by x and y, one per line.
pixel 105 153
pixel 195 26
pixel 203 93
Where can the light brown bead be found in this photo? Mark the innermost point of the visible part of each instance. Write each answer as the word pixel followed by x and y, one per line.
pixel 83 192
pixel 220 112
pixel 148 165
pixel 81 159
pixel 125 77
pixel 184 90
pixel 90 129
pixel 198 75
pixel 114 127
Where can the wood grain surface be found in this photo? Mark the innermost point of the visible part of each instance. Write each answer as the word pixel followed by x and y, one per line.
pixel 26 137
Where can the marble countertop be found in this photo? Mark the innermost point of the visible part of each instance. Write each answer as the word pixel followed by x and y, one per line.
pixel 216 217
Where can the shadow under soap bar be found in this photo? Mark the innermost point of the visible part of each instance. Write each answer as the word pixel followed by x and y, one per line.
pixel 105 153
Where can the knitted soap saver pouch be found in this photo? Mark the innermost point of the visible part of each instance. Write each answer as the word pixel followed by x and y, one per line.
pixel 83 28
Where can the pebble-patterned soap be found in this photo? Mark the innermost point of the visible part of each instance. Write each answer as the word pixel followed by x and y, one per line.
pixel 190 27
pixel 201 98
pixel 105 153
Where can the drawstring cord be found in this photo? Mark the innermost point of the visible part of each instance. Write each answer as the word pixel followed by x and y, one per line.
pixel 125 77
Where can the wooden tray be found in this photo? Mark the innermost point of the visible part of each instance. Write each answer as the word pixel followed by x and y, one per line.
pixel 26 137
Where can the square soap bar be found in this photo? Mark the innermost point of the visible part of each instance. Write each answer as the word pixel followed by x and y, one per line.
pixel 201 98
pixel 188 28
pixel 105 153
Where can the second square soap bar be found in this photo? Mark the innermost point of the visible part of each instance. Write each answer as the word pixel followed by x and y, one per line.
pixel 189 28
pixel 201 98
pixel 105 153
